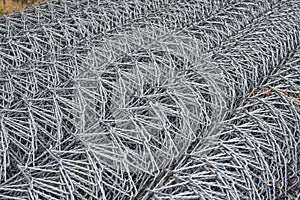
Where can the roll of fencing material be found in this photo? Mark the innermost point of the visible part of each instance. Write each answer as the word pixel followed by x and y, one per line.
pixel 151 100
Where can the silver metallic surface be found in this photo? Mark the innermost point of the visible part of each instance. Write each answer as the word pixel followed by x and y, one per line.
pixel 142 99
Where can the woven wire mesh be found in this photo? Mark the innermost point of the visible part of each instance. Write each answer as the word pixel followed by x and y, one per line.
pixel 151 100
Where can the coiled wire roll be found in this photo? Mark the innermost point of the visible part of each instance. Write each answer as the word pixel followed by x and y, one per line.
pixel 150 100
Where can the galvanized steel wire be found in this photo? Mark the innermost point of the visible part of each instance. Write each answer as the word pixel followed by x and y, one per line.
pixel 161 99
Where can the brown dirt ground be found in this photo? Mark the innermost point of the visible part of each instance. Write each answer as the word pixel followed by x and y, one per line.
pixel 8 6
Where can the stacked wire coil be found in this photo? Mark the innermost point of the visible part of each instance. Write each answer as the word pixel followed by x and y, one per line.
pixel 119 99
